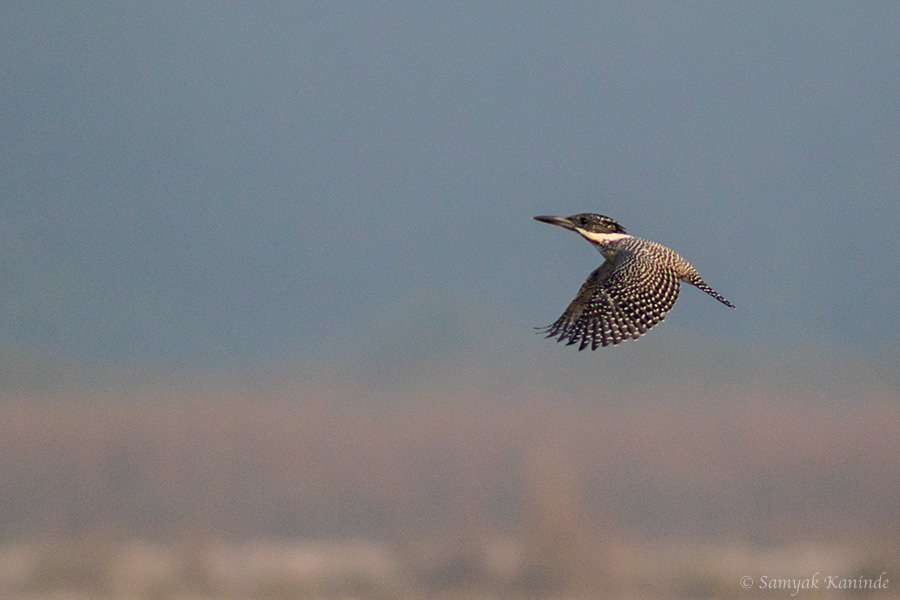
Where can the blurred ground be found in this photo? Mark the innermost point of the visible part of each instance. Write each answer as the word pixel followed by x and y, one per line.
pixel 256 489
pixel 490 569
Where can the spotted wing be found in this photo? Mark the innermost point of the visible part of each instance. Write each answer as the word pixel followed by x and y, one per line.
pixel 622 299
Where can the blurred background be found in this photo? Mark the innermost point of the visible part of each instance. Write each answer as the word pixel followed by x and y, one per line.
pixel 270 283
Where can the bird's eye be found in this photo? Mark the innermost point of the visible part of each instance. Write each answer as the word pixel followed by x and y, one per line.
pixel 583 220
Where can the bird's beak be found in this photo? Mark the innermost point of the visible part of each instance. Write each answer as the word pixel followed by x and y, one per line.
pixel 561 221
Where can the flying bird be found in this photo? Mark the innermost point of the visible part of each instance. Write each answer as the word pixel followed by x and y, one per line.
pixel 629 293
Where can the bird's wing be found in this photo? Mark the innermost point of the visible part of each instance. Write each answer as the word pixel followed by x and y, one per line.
pixel 622 299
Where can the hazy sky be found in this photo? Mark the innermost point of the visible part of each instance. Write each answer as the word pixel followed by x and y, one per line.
pixel 217 184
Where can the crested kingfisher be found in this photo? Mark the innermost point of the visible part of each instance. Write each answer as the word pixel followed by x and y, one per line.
pixel 629 293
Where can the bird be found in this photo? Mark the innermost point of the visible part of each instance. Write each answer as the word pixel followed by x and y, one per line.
pixel 629 293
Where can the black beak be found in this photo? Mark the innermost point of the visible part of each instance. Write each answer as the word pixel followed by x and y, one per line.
pixel 560 221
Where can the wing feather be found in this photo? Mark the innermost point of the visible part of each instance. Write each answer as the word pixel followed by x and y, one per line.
pixel 620 300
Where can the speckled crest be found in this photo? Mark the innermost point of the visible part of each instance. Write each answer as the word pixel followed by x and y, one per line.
pixel 596 223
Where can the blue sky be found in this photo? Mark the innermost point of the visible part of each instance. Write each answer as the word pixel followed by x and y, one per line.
pixel 198 186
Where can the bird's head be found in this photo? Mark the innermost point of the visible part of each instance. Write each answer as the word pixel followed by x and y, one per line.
pixel 593 227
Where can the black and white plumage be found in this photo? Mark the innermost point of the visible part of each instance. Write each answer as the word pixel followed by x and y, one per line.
pixel 629 293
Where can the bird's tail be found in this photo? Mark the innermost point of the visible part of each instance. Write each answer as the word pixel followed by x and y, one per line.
pixel 702 285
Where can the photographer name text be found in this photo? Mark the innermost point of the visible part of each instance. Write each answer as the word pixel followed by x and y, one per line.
pixel 817 581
